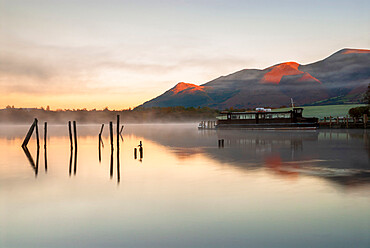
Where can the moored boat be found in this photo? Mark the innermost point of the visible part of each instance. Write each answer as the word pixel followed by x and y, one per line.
pixel 265 119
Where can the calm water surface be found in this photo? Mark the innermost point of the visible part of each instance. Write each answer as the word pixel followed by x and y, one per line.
pixel 262 189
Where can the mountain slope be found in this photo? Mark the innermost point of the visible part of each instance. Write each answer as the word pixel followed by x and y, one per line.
pixel 343 76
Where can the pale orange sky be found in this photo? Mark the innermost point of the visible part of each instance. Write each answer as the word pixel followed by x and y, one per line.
pixel 93 54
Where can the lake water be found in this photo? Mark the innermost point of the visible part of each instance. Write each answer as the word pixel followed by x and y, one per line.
pixel 262 189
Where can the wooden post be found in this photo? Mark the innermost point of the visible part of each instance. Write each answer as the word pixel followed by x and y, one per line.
pixel 337 119
pixel 100 141
pixel 347 121
pixel 118 172
pixel 45 153
pixel 70 134
pixel 37 133
pixel 75 134
pixel 75 140
pixel 45 133
pixel 135 153
pixel 111 134
pixel 117 132
pixel 29 134
pixel 330 121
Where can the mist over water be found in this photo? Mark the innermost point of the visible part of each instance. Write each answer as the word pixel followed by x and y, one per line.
pixel 262 189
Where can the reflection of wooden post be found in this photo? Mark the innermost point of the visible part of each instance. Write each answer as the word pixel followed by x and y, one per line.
pixel 365 120
pixel 141 152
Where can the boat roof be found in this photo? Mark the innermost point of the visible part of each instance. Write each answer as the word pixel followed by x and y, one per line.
pixel 259 112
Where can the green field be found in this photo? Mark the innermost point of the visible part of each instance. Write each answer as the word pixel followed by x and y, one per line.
pixel 327 110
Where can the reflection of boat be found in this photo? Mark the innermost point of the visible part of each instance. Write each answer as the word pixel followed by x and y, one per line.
pixel 291 119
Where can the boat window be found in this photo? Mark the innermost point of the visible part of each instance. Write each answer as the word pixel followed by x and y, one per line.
pixel 268 116
pixel 235 117
pixel 261 116
pixel 248 116
pixel 222 117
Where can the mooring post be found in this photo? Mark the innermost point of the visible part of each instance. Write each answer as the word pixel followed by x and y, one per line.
pixel 117 135
pixel 135 153
pixel 347 121
pixel 45 133
pixel 118 172
pixel 45 139
pixel 29 134
pixel 75 140
pixel 37 133
pixel 330 121
pixel 111 134
pixel 75 134
pixel 70 134
pixel 141 150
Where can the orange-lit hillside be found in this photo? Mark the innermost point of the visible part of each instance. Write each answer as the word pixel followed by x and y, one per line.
pixel 186 87
pixel 276 73
pixel 349 51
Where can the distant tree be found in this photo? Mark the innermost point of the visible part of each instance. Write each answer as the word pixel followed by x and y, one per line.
pixel 8 107
pixel 367 95
pixel 359 111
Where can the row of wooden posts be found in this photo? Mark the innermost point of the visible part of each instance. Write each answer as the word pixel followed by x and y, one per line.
pixel 207 124
pixel 344 122
pixel 73 145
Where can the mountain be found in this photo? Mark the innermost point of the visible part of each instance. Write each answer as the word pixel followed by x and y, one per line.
pixel 341 78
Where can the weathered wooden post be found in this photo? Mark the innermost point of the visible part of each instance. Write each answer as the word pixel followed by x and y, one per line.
pixel 111 134
pixel 29 133
pixel 120 132
pixel 118 172
pixel 141 152
pixel 135 153
pixel 100 141
pixel 75 141
pixel 337 120
pixel 330 121
pixel 117 134
pixel 45 152
pixel 70 134
pixel 111 147
pixel 37 133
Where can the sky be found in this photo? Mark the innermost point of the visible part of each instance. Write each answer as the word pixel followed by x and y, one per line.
pixel 119 54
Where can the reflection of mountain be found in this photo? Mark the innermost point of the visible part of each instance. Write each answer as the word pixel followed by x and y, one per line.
pixel 341 157
pixel 340 78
